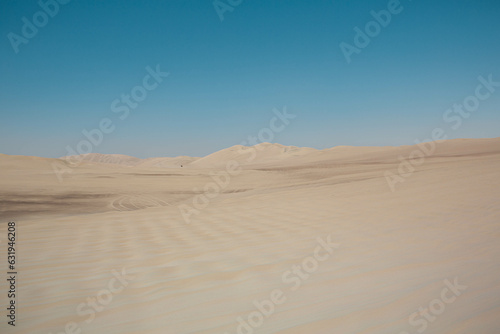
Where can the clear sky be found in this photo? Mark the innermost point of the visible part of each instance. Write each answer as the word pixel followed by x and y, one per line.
pixel 226 76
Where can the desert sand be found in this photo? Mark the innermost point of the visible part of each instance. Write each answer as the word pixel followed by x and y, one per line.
pixel 114 247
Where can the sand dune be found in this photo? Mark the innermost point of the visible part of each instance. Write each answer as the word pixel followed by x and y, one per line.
pixel 175 162
pixel 116 159
pixel 396 254
pixel 268 154
pixel 245 155
pixel 125 160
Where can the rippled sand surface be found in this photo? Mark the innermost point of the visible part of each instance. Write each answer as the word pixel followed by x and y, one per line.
pixel 110 249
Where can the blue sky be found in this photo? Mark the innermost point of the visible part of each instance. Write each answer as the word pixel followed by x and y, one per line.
pixel 226 77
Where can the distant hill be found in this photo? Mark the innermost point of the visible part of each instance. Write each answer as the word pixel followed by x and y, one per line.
pixel 275 155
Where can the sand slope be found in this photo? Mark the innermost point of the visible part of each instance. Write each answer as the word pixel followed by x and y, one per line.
pixel 125 160
pixel 396 248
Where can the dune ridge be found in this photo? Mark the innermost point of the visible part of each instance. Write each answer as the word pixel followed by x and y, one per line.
pixel 274 153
